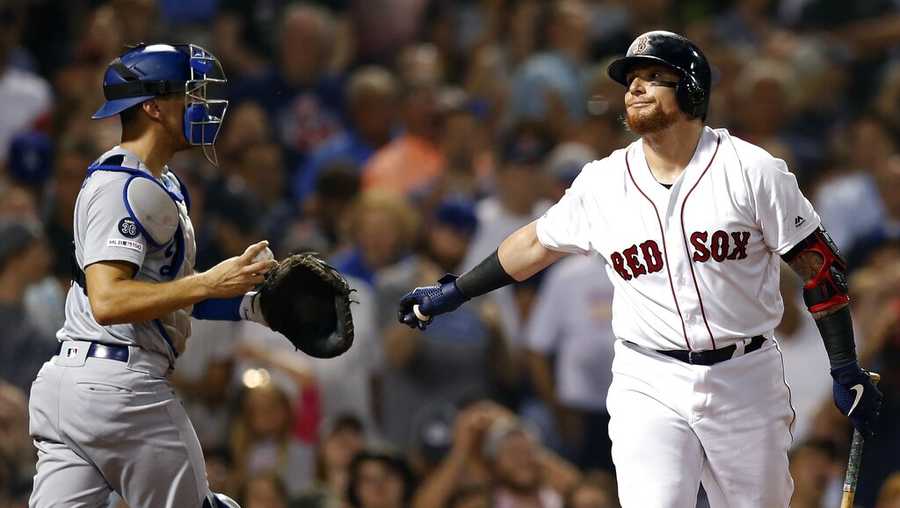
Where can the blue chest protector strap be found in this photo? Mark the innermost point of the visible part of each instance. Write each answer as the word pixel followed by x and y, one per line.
pixel 175 249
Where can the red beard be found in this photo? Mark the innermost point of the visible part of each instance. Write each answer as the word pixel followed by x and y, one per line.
pixel 649 120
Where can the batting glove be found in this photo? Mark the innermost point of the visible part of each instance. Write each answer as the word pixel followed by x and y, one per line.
pixel 857 397
pixel 419 306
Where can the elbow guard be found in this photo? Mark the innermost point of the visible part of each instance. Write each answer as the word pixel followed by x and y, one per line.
pixel 827 289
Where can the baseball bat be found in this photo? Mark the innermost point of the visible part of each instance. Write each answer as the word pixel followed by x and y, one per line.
pixel 856 447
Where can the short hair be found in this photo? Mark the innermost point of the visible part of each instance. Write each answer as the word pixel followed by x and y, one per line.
pixel 406 217
pixel 371 79
pixel 390 459
pixel 338 180
pixel 129 115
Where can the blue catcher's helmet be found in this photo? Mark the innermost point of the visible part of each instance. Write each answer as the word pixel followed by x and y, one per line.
pixel 149 71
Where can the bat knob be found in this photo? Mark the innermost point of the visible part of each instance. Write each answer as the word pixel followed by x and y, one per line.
pixel 418 313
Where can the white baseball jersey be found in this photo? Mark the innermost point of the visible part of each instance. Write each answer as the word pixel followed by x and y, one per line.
pixel 695 266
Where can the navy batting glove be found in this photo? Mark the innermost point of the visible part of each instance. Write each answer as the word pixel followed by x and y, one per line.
pixel 441 298
pixel 857 397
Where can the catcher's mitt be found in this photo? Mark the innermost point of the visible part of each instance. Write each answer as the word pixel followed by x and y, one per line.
pixel 308 301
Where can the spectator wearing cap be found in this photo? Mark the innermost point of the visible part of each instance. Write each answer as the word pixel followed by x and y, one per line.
pixel 453 228
pixel 380 479
pixel 372 98
pixel 30 159
pixel 24 260
pixel 518 201
pixel 455 359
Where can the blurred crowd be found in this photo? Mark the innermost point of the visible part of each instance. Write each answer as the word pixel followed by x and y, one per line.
pixel 403 139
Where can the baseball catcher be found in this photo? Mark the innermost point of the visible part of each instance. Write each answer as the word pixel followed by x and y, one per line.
pixel 104 402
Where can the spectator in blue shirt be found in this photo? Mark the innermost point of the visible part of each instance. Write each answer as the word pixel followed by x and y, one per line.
pixel 301 97
pixel 372 104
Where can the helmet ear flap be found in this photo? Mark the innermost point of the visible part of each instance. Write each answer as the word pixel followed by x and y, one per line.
pixel 691 97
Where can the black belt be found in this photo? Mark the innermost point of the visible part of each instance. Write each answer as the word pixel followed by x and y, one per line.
pixel 712 356
pixel 97 350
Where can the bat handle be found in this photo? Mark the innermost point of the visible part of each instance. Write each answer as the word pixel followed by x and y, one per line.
pixel 856 447
pixel 850 479
pixel 418 313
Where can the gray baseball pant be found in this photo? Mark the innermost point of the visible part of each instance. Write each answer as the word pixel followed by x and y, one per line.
pixel 101 425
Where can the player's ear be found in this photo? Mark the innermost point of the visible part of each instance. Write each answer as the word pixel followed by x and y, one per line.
pixel 151 109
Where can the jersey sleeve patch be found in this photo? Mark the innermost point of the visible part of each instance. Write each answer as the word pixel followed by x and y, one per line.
pixel 128 228
pixel 125 243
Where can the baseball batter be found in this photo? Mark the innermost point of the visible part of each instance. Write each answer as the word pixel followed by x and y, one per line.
pixel 693 223
pixel 103 413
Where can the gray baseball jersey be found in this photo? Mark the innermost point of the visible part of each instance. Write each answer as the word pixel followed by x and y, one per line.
pixel 107 228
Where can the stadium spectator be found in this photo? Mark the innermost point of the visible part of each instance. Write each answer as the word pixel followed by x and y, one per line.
pixel 570 343
pixel 371 106
pixel 301 96
pixel 889 497
pixel 380 479
pixel 455 360
pixel 26 97
pixel 412 160
pixel 341 440
pixel 262 442
pixel 24 260
pixel 383 227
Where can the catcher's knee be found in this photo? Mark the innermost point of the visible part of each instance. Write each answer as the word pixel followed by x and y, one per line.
pixel 216 500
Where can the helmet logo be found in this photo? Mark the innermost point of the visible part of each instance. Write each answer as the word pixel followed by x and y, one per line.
pixel 641 44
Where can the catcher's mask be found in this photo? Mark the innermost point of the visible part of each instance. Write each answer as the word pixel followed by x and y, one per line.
pixel 148 71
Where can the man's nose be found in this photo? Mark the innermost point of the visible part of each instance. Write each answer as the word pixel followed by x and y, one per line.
pixel 637 86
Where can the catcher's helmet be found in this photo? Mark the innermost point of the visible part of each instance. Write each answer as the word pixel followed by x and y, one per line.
pixel 148 71
pixel 678 53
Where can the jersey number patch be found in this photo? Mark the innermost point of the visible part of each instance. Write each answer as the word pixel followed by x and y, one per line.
pixel 128 227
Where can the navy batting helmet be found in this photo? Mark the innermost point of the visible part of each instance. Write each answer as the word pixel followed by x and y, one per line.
pixel 148 71
pixel 677 53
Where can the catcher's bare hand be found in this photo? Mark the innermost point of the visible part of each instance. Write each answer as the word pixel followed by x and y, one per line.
pixel 235 276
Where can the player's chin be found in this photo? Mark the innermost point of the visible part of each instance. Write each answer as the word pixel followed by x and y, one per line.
pixel 647 120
